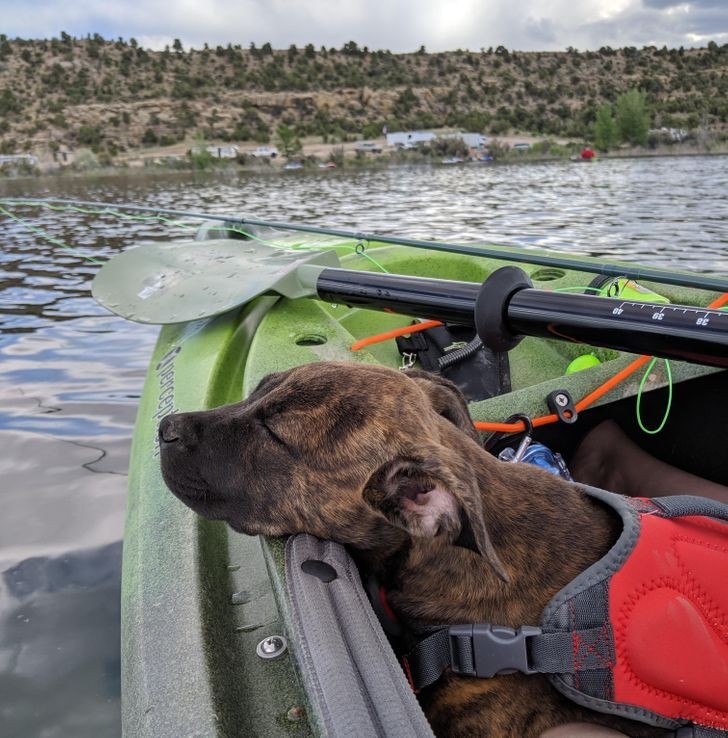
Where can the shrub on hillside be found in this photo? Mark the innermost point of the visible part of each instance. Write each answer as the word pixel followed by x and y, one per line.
pixel 85 161
pixel 89 135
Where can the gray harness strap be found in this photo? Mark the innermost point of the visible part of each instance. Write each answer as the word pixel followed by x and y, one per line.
pixel 355 685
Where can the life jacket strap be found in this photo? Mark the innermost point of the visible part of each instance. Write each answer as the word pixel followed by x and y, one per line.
pixel 699 731
pixel 484 650
pixel 678 506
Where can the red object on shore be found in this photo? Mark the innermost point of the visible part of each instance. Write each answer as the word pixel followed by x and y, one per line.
pixel 588 153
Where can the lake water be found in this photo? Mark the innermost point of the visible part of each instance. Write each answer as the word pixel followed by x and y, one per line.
pixel 71 374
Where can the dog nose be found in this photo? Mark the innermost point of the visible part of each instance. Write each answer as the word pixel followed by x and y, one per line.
pixel 170 429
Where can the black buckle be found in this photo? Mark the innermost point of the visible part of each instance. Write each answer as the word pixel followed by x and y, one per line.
pixel 496 649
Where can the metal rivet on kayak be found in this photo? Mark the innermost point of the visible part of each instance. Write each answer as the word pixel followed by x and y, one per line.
pixel 272 647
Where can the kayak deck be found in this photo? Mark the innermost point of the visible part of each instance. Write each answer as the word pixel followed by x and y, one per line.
pixel 197 598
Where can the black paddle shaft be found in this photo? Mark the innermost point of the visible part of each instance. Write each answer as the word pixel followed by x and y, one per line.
pixel 506 307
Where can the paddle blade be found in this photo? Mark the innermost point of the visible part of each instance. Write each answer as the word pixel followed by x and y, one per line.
pixel 177 282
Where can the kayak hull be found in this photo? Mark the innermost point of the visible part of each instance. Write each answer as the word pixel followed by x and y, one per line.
pixel 197 598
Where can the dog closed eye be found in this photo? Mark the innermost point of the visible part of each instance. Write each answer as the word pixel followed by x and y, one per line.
pixel 266 424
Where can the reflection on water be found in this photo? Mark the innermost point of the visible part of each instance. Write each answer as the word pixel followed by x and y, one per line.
pixel 59 645
pixel 71 374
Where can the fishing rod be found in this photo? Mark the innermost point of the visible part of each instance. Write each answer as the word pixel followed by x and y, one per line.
pixel 178 282
pixel 496 251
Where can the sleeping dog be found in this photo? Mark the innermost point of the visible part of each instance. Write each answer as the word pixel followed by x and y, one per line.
pixel 389 464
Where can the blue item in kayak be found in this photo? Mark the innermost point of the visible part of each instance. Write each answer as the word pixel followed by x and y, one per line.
pixel 542 456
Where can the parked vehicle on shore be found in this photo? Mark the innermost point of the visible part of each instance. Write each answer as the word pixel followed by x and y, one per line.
pixel 368 147
pixel 265 152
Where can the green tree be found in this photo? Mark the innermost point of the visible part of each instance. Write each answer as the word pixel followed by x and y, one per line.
pixel 150 137
pixel 89 135
pixel 8 102
pixel 350 48
pixel 288 140
pixel 605 128
pixel 632 118
pixel 405 103
pixel 8 146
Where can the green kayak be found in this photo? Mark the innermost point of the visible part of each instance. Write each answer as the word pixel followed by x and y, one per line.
pixel 202 606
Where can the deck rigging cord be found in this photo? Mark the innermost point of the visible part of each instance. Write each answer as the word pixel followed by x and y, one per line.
pixel 585 402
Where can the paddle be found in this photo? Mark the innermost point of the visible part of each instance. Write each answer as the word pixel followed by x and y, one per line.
pixel 178 282
pixel 181 281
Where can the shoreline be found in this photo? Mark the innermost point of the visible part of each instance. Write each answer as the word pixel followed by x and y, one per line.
pixel 390 160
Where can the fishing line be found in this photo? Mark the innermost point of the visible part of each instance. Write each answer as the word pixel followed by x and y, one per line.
pixel 47 236
pixel 638 408
pixel 70 207
pixel 586 290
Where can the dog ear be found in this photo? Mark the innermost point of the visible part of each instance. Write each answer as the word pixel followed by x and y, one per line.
pixel 422 497
pixel 446 399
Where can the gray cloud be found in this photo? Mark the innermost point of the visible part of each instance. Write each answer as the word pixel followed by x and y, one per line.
pixel 640 26
pixel 664 4
pixel 399 25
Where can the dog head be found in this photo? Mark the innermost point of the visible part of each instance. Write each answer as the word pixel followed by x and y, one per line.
pixel 360 454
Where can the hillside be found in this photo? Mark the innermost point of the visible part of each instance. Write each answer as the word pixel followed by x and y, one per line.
pixel 114 96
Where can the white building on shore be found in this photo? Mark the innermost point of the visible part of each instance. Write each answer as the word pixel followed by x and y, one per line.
pixel 408 139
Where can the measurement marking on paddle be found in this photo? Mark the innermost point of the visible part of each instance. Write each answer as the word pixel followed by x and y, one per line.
pixel 703 317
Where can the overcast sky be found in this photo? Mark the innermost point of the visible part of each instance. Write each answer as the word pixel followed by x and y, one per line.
pixel 398 25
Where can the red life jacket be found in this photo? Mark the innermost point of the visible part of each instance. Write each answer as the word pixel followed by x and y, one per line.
pixel 642 633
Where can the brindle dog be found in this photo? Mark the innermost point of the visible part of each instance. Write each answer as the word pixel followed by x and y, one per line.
pixel 390 465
